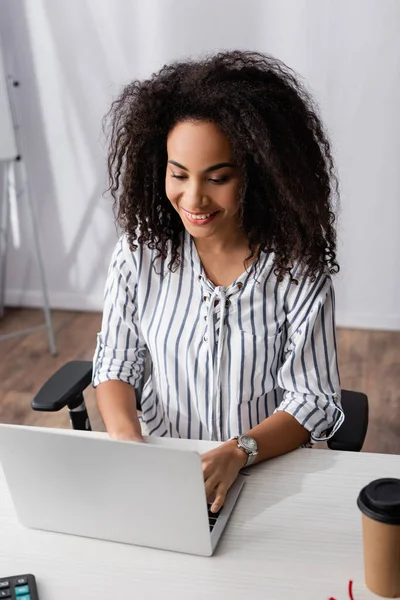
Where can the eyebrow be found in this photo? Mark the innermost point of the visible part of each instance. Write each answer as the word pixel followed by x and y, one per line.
pixel 208 170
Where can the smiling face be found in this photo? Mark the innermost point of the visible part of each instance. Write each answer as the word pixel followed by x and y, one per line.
pixel 202 183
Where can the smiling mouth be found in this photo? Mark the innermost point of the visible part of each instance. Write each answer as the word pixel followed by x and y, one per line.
pixel 199 217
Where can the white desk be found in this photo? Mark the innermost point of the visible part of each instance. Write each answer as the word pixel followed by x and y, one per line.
pixel 295 534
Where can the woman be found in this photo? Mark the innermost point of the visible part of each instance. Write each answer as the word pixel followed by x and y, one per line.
pixel 223 184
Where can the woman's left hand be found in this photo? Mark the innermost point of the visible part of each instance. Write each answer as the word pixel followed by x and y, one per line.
pixel 221 467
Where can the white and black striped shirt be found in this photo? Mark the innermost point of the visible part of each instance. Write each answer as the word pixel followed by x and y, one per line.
pixel 222 359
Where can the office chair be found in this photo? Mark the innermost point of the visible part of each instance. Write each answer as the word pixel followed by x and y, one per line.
pixel 66 387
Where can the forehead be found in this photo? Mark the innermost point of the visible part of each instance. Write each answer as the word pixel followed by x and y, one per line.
pixel 198 144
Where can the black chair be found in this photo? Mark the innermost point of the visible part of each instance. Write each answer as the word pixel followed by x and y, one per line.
pixel 66 387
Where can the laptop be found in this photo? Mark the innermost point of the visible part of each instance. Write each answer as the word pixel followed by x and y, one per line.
pixel 86 484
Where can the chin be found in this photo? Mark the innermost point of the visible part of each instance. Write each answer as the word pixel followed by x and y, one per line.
pixel 199 232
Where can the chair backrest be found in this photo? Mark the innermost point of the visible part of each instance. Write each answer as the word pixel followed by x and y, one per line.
pixel 351 435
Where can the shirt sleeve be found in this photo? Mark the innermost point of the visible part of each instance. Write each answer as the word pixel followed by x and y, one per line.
pixel 120 351
pixel 309 375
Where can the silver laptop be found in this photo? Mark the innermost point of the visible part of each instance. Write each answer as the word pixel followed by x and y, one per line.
pixel 86 484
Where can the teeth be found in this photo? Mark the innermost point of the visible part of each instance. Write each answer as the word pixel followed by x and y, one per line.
pixel 199 217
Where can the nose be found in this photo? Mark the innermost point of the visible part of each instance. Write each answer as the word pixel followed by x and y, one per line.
pixel 194 196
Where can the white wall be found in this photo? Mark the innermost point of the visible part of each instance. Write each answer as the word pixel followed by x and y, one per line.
pixel 8 149
pixel 72 59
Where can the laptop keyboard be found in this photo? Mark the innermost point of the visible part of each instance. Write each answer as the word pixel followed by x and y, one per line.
pixel 212 517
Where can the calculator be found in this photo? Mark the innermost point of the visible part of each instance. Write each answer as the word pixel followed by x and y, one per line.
pixel 18 587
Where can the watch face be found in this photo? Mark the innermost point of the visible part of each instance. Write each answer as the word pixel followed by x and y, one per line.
pixel 249 443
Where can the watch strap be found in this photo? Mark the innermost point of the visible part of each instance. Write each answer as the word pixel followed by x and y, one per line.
pixel 250 459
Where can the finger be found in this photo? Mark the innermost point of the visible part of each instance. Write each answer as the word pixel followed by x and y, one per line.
pixel 218 503
pixel 211 485
pixel 210 470
pixel 206 465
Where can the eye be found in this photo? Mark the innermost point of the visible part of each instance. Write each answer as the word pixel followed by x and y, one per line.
pixel 178 176
pixel 219 181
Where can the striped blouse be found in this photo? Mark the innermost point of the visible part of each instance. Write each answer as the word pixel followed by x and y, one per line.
pixel 222 358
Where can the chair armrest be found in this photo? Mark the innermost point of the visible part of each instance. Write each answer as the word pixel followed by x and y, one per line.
pixel 351 435
pixel 64 387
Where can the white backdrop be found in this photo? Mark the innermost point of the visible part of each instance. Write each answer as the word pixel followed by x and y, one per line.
pixel 73 57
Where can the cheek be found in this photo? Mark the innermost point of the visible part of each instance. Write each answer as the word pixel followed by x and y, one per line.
pixel 229 198
pixel 171 192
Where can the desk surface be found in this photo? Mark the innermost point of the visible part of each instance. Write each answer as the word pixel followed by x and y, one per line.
pixel 295 534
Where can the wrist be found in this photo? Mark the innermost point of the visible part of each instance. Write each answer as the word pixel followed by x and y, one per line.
pixel 248 445
pixel 238 454
pixel 129 434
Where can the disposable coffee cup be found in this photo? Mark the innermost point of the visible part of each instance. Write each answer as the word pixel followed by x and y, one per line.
pixel 379 503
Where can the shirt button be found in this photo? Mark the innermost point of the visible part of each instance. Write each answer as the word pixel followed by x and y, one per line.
pixel 205 298
pixel 227 303
pixel 240 285
pixel 205 338
pixel 200 278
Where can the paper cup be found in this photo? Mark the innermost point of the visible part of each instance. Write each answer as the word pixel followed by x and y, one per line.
pixel 380 504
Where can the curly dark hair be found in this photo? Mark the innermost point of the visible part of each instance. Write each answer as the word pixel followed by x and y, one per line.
pixel 288 185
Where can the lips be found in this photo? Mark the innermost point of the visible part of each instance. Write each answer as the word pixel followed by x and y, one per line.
pixel 199 216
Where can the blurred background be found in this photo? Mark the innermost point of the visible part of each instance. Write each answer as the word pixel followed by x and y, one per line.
pixel 71 59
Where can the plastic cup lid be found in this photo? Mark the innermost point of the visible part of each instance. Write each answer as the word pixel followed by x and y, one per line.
pixel 380 500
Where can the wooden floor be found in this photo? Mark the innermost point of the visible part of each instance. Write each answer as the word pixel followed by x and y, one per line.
pixel 369 361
